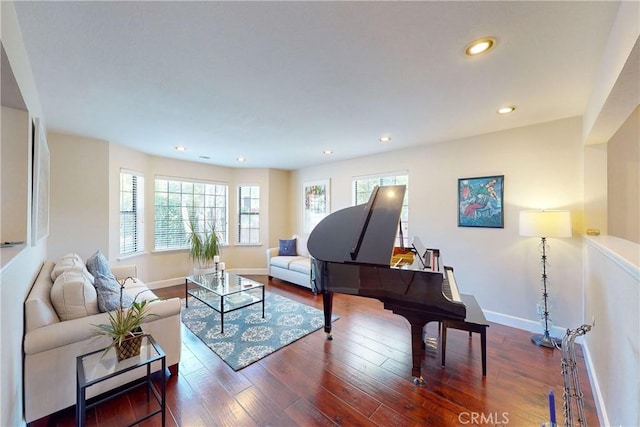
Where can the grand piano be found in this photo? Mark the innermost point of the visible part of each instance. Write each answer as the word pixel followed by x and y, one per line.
pixel 351 251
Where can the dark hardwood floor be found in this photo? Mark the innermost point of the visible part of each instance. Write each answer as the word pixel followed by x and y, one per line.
pixel 362 377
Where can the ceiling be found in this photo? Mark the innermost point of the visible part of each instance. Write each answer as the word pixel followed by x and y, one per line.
pixel 279 82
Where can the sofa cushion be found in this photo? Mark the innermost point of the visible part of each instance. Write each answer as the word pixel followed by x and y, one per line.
pixel 140 293
pixel 284 261
pixel 301 265
pixel 73 295
pixel 287 247
pixel 301 244
pixel 98 264
pixel 108 290
pixel 38 310
pixel 69 262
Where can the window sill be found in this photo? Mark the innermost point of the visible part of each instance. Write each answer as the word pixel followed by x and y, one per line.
pixel 129 256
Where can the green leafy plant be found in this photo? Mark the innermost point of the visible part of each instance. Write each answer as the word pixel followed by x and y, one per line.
pixel 204 246
pixel 124 322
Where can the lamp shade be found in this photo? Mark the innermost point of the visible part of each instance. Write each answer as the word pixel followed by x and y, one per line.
pixel 543 223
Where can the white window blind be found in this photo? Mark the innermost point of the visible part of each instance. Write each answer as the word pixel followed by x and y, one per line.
pixel 363 186
pixel 179 202
pixel 131 212
pixel 248 214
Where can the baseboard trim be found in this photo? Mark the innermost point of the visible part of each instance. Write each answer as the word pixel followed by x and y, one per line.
pixel 595 387
pixel 524 324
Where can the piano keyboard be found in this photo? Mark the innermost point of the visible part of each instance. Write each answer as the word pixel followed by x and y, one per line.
pixel 449 286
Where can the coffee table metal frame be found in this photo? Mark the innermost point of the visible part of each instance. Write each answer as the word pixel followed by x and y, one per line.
pixel 93 368
pixel 224 292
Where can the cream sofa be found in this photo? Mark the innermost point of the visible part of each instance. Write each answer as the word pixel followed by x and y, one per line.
pixel 295 269
pixel 51 345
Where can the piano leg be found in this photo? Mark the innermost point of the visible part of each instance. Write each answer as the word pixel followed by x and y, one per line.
pixel 327 300
pixel 417 352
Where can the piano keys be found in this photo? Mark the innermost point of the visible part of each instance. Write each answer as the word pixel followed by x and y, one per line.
pixel 352 251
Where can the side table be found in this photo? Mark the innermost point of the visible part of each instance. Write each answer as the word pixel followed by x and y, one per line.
pixel 93 368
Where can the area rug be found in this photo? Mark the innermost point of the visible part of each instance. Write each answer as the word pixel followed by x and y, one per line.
pixel 247 336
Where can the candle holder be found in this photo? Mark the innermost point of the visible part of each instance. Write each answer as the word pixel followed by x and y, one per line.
pixel 221 268
pixel 216 269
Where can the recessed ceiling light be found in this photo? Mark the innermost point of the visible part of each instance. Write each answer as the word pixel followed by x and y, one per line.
pixel 479 46
pixel 327 152
pixel 385 139
pixel 181 148
pixel 241 159
pixel 506 110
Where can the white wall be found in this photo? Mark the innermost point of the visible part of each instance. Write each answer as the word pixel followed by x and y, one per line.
pixel 623 179
pixel 15 163
pixel 18 274
pixel 612 296
pixel 542 166
pixel 79 204
pixel 281 225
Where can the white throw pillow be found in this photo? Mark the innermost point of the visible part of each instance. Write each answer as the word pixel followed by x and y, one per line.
pixel 69 262
pixel 73 295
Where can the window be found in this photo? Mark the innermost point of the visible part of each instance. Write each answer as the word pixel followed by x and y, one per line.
pixel 179 202
pixel 248 214
pixel 362 188
pixel 131 212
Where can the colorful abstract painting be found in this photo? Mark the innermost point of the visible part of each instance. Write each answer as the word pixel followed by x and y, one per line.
pixel 480 202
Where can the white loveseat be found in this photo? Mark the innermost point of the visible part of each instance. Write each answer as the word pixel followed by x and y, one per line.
pixel 291 268
pixel 51 345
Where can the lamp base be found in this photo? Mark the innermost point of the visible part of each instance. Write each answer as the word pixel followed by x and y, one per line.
pixel 545 340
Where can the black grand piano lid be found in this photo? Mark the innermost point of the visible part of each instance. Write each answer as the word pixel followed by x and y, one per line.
pixel 362 234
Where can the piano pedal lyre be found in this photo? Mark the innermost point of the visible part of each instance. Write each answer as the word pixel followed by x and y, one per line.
pixel 419 381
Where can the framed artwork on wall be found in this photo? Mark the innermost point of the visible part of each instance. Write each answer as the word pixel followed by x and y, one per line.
pixel 40 195
pixel 481 201
pixel 316 203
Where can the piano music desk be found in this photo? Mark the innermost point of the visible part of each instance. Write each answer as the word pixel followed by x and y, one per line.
pixel 475 322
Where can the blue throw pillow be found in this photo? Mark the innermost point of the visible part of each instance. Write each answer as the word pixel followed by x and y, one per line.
pixel 287 248
pixel 108 290
pixel 98 264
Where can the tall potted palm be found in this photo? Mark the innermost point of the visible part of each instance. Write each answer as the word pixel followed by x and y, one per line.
pixel 204 246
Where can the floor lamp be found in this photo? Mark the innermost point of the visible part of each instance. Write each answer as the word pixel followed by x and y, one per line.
pixel 545 224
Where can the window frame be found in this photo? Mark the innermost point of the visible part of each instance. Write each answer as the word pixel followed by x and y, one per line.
pixel 253 231
pixel 176 231
pixel 137 203
pixel 388 178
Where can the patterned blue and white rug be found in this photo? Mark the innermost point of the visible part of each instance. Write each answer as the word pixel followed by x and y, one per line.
pixel 247 336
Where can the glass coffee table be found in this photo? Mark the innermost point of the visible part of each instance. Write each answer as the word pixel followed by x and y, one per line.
pixel 224 292
pixel 98 366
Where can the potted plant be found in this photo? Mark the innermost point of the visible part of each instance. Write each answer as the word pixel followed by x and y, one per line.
pixel 204 246
pixel 124 326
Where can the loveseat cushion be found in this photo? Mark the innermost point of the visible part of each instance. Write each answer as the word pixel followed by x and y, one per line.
pixel 301 244
pixel 108 290
pixel 287 247
pixel 301 265
pixel 284 261
pixel 73 295
pixel 69 262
